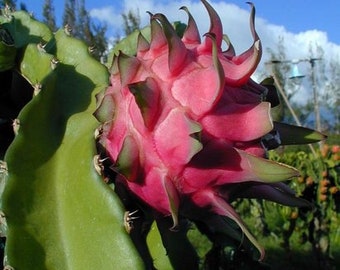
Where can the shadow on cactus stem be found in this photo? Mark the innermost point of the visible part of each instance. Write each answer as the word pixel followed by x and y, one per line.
pixel 15 93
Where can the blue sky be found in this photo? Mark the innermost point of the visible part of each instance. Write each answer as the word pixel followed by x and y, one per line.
pixel 298 16
pixel 302 26
pixel 295 15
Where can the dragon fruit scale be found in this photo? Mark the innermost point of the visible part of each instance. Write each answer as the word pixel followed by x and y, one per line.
pixel 182 121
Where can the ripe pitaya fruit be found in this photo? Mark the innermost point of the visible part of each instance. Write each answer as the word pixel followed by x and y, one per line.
pixel 185 126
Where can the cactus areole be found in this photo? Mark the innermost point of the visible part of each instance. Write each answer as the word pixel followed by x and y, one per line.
pixel 183 122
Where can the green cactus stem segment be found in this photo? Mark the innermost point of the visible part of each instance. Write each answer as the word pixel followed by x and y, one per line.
pixel 58 210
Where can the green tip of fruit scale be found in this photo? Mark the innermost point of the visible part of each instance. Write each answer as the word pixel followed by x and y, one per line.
pixel 177 49
pixel 215 26
pixel 191 33
pixel 142 44
pixel 105 111
pixel 158 39
pixel 146 95
pixel 290 134
pixel 128 163
pixel 128 67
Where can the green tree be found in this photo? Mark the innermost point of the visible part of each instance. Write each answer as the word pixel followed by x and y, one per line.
pixel 326 81
pixel 23 6
pixel 332 92
pixel 281 68
pixel 10 3
pixel 84 23
pixel 78 18
pixel 93 34
pixel 131 22
pixel 69 16
pixel 49 15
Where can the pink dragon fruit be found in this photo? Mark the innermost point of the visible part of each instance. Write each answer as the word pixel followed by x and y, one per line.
pixel 185 126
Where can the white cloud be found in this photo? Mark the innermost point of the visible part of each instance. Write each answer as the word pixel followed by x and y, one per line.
pixel 110 16
pixel 235 24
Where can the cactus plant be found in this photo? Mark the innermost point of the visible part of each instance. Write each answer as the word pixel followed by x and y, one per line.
pixel 57 211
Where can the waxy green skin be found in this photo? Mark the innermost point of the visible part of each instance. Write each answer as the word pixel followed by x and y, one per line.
pixel 59 212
